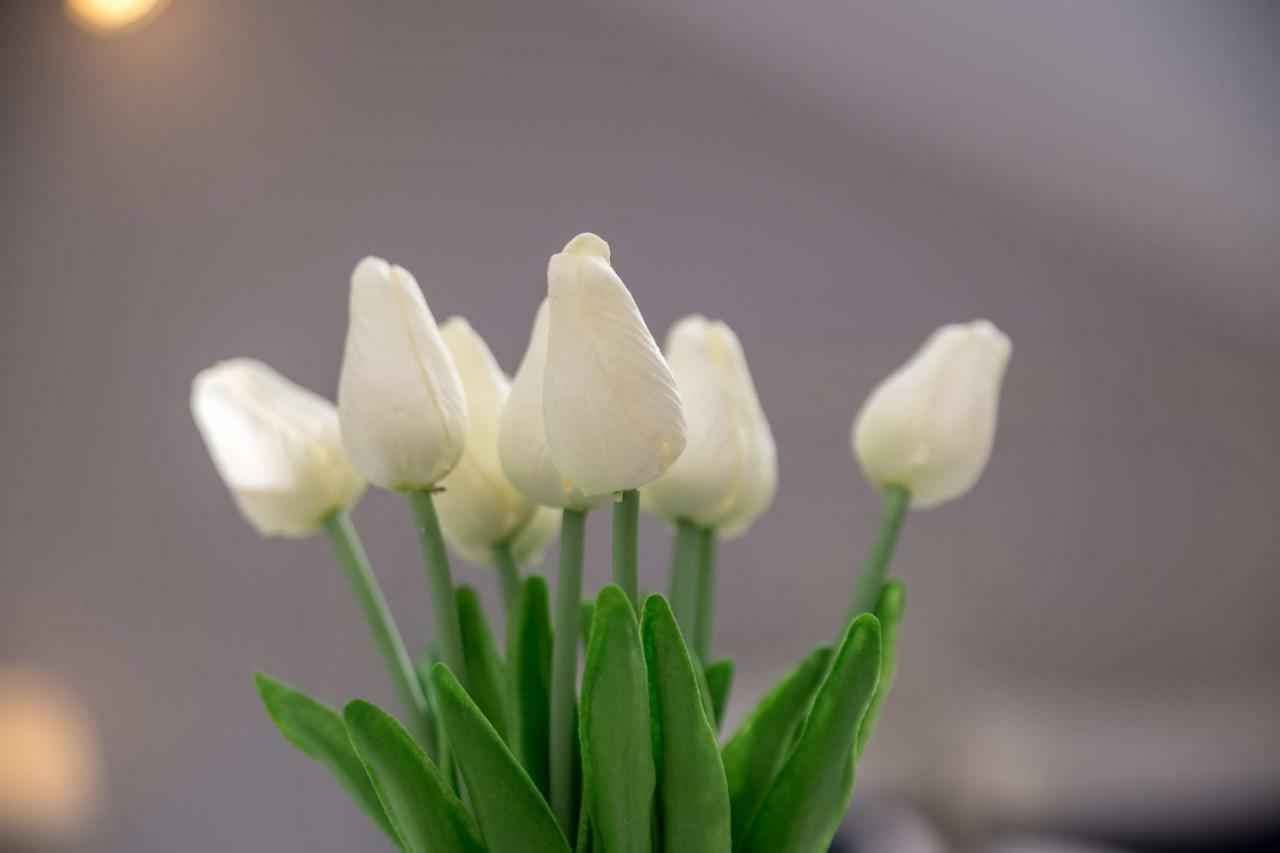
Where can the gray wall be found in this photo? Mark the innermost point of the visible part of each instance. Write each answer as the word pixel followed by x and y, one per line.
pixel 1090 636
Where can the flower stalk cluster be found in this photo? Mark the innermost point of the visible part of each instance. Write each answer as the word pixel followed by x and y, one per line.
pixel 507 748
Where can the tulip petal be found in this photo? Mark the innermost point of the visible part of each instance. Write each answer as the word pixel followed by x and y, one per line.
pixel 479 507
pixel 275 444
pixel 612 412
pixel 930 425
pixel 522 433
pixel 727 475
pixel 532 541
pixel 403 410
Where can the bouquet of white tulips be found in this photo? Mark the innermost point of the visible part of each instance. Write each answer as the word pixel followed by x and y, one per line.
pixel 503 747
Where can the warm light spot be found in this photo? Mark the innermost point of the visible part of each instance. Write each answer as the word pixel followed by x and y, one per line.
pixel 113 16
pixel 49 770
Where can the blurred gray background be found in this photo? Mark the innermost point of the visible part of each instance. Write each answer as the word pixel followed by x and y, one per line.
pixel 1090 644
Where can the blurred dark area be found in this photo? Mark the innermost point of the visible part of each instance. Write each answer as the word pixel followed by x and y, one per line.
pixel 1090 660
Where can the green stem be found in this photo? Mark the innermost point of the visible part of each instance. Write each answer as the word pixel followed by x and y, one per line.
pixel 564 665
pixel 897 500
pixel 704 628
pixel 684 577
pixel 355 562
pixel 508 574
pixel 626 518
pixel 444 607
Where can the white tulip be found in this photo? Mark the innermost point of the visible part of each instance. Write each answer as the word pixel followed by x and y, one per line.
pixel 728 473
pixel 610 404
pixel 400 399
pixel 929 426
pixel 479 508
pixel 533 540
pixel 522 433
pixel 276 445
pixel 528 546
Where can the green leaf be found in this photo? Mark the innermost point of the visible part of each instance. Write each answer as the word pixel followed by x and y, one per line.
pixel 486 676
pixel 529 671
pixel 893 601
pixel 318 731
pixel 719 680
pixel 617 755
pixel 424 810
pixel 583 844
pixel 704 693
pixel 807 798
pixel 579 777
pixel 431 724
pixel 757 749
pixel 693 797
pixel 889 609
pixel 513 816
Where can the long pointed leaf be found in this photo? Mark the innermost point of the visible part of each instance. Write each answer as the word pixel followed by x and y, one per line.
pixel 319 732
pixel 617 755
pixel 693 796
pixel 586 615
pixel 513 816
pixel 757 749
pixel 806 799
pixel 432 725
pixel 580 798
pixel 889 609
pixel 719 680
pixel 423 808
pixel 529 672
pixel 486 675
pixel 704 693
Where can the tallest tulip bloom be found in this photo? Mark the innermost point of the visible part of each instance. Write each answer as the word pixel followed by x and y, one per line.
pixel 613 414
pixel 613 423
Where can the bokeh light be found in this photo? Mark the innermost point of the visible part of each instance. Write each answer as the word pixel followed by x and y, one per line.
pixel 113 16
pixel 50 775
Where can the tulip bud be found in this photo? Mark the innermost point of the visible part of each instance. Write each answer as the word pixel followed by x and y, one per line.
pixel 929 426
pixel 403 411
pixel 533 540
pixel 612 411
pixel 728 473
pixel 479 507
pixel 522 433
pixel 529 544
pixel 276 445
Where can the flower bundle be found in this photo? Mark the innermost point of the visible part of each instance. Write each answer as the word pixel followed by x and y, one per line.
pixel 503 747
